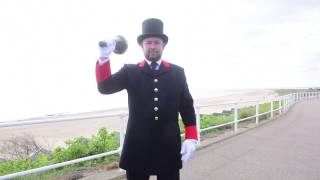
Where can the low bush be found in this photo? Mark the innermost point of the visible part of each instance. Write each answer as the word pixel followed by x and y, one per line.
pixel 75 148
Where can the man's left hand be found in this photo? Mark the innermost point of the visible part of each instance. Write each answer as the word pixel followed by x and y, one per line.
pixel 187 149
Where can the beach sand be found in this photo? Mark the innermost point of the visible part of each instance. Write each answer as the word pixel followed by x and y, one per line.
pixel 51 135
pixel 218 104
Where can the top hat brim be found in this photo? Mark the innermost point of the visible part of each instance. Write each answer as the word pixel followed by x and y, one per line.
pixel 162 36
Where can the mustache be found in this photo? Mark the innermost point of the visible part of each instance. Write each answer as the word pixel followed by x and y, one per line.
pixel 153 51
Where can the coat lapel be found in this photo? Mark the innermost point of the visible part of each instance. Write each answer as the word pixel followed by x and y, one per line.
pixel 145 68
pixel 164 67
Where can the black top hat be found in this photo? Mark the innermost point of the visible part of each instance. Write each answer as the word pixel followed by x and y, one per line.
pixel 152 28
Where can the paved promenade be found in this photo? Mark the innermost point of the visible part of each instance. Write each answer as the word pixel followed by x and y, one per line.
pixel 285 148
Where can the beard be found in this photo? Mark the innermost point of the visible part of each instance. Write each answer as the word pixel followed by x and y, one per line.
pixel 154 58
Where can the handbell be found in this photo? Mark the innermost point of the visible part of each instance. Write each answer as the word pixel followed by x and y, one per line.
pixel 121 44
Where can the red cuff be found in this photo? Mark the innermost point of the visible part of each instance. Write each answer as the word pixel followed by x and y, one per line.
pixel 191 132
pixel 103 71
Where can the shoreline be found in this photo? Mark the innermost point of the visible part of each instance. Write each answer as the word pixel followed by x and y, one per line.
pixel 51 135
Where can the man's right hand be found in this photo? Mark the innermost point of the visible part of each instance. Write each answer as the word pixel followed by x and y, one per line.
pixel 106 48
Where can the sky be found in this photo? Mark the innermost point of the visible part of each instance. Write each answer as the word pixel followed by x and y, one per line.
pixel 49 48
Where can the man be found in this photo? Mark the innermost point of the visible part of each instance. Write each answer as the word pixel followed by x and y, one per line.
pixel 157 92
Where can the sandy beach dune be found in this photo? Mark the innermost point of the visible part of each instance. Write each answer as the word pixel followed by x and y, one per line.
pixel 55 134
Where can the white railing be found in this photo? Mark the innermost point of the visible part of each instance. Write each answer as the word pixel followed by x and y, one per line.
pixel 284 102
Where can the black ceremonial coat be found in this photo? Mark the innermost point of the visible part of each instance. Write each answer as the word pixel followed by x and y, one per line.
pixel 152 143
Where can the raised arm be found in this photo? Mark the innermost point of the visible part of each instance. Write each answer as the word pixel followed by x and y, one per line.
pixel 109 83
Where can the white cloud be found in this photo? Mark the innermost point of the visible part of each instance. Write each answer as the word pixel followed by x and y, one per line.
pixel 49 47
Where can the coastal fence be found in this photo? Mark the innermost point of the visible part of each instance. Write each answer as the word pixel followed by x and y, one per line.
pixel 284 103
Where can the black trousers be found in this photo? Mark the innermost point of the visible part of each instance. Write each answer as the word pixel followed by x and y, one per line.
pixel 142 176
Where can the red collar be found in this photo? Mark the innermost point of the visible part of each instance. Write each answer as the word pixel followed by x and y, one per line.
pixel 165 63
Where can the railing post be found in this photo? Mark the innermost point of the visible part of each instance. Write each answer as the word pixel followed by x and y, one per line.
pixel 271 109
pixel 293 98
pixel 198 119
pixel 280 106
pixel 284 103
pixel 287 102
pixel 236 117
pixel 306 96
pixel 122 130
pixel 290 100
pixel 257 112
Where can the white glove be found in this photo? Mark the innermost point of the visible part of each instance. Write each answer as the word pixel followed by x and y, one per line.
pixel 187 149
pixel 106 48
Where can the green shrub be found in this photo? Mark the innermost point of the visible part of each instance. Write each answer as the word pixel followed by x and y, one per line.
pixel 246 112
pixel 103 142
pixel 12 166
pixel 42 160
pixel 75 148
pixel 213 120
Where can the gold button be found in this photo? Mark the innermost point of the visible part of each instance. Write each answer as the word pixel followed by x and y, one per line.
pixel 156 89
pixel 156 108
pixel 156 118
pixel 156 99
pixel 155 80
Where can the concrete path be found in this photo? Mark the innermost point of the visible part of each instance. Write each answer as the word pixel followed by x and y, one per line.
pixel 287 148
